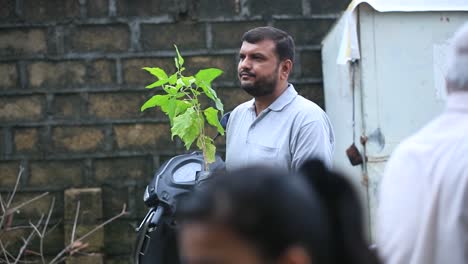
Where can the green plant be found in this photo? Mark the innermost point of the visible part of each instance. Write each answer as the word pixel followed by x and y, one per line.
pixel 180 102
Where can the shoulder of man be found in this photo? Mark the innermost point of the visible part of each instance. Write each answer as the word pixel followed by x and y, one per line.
pixel 306 109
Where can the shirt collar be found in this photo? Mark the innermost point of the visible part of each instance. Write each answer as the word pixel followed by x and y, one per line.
pixel 284 99
pixel 457 101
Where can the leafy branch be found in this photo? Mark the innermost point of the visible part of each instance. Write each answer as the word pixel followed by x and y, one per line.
pixel 182 105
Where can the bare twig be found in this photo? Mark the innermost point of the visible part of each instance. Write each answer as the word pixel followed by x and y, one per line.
pixel 41 242
pixel 70 246
pixel 7 205
pixel 2 204
pixel 5 253
pixel 16 208
pixel 27 241
pixel 75 222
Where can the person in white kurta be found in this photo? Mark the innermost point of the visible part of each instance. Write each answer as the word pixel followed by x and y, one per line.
pixel 423 212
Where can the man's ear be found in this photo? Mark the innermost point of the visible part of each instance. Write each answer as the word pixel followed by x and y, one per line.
pixel 295 255
pixel 285 69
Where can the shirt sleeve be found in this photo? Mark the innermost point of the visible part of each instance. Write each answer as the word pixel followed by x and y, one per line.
pixel 312 141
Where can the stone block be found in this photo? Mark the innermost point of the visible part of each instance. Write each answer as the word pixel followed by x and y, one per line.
pixel 209 9
pixel 161 36
pixel 55 174
pixel 56 74
pixel 101 72
pixel 311 64
pixel 33 211
pixel 26 140
pixel 123 232
pixel 90 206
pixel 330 6
pixel 119 171
pixel 134 74
pixel 143 137
pixel 142 8
pixel 99 38
pixel 7 12
pixel 67 107
pixel 227 35
pixel 276 7
pixel 98 8
pixel 46 10
pixel 306 31
pixel 120 105
pixel 9 173
pixel 19 42
pixel 114 197
pixel 77 139
pixel 9 76
pixel 88 259
pixel 22 108
pixel 94 242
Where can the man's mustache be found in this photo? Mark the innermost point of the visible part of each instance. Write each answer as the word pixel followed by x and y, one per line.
pixel 246 73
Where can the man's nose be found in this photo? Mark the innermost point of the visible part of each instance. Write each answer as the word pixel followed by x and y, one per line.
pixel 244 64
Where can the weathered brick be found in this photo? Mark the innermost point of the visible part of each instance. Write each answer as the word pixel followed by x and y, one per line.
pixel 232 97
pixel 9 76
pixel 306 32
pixel 313 92
pixel 227 63
pixel 95 242
pixel 7 10
pixel 101 72
pixel 133 73
pixel 67 106
pixel 98 8
pixel 21 108
pixel 42 10
pixel 144 7
pixel 209 9
pixel 119 231
pixel 88 259
pixel 26 140
pixel 114 197
pixel 56 74
pixel 55 173
pixel 330 6
pixel 9 173
pixel 121 105
pixel 36 208
pixel 229 34
pixel 161 36
pixel 117 171
pixel 90 205
pixel 22 41
pixel 2 144
pixel 311 64
pixel 116 259
pixel 283 7
pixel 107 38
pixel 142 136
pixel 77 139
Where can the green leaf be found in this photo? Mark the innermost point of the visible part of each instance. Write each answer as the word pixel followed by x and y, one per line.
pixel 210 148
pixel 211 115
pixel 170 108
pixel 157 100
pixel 173 79
pixel 208 75
pixel 156 84
pixel 210 93
pixel 158 72
pixel 186 126
pixel 181 106
pixel 219 105
pixel 180 60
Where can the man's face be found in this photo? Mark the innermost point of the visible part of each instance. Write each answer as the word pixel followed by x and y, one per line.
pixel 258 68
pixel 200 243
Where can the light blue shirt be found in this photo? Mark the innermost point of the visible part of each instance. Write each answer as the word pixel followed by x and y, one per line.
pixel 288 132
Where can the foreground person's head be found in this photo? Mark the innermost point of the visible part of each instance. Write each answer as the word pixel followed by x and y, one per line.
pixel 259 215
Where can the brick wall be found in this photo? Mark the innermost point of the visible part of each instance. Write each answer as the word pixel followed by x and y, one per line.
pixel 71 86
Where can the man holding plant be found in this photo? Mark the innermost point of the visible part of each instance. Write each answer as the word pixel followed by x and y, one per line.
pixel 278 126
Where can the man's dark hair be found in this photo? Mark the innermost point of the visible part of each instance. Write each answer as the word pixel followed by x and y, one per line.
pixel 283 41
